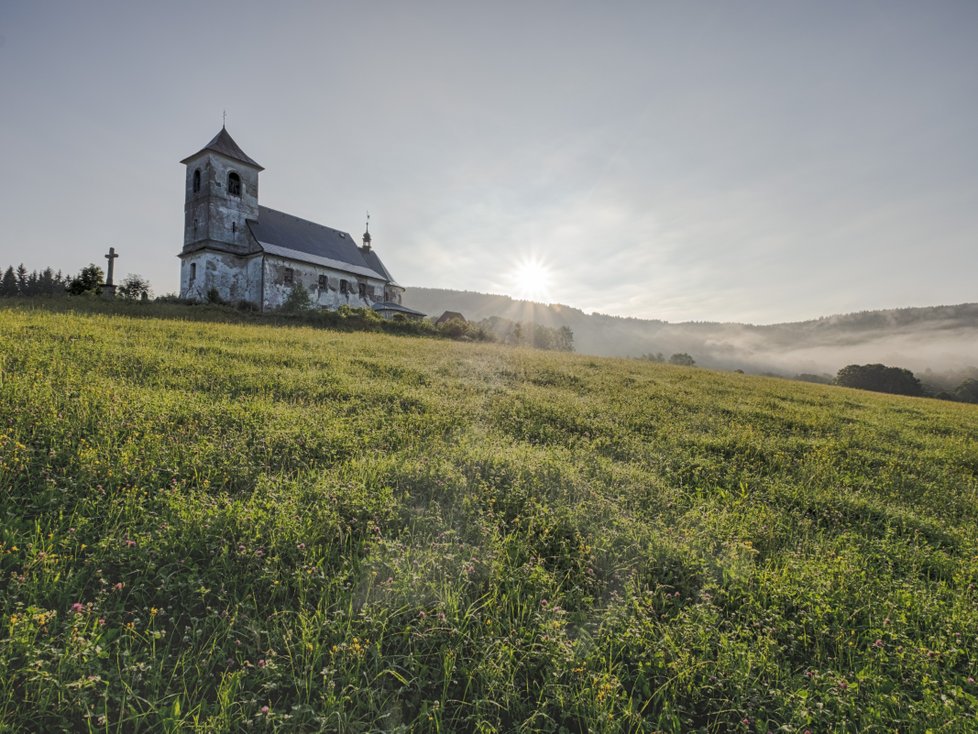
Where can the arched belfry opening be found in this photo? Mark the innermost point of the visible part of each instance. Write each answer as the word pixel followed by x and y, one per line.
pixel 196 180
pixel 234 184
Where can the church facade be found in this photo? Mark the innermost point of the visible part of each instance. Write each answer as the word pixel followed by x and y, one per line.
pixel 237 250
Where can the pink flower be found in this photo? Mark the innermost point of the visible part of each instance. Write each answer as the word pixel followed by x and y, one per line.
pixel 264 709
pixel 301 546
pixel 971 680
pixel 745 721
pixel 130 543
pixel 878 643
pixel 262 663
pixel 78 607
pixel 119 586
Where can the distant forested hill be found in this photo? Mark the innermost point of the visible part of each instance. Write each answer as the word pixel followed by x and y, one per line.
pixel 939 338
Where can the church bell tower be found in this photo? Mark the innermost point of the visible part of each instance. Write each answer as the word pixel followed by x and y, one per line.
pixel 221 196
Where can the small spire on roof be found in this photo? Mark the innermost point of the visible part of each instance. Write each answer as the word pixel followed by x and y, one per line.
pixel 224 121
pixel 366 234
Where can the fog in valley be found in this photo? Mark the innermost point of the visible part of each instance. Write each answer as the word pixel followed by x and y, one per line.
pixel 938 343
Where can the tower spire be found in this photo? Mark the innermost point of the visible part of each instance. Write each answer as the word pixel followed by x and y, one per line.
pixel 366 235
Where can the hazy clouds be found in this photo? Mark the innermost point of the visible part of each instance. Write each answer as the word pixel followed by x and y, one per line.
pixel 736 161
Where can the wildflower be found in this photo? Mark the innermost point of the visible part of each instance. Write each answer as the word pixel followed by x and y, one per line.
pixel 971 680
pixel 78 607
pixel 264 709
pixel 301 546
pixel 101 621
pixel 878 644
pixel 843 684
pixel 262 663
pixel 422 614
pixel 153 611
pixel 119 586
pixel 130 543
pixel 745 721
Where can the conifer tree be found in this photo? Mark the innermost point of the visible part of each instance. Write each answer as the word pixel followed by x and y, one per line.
pixel 8 285
pixel 21 280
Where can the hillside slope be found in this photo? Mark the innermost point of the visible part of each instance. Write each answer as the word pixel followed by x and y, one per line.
pixel 211 527
pixel 941 338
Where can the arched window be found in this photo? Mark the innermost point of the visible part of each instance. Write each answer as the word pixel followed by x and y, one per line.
pixel 234 184
pixel 196 180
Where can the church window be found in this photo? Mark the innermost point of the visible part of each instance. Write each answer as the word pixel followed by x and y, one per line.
pixel 193 272
pixel 234 184
pixel 234 227
pixel 362 289
pixel 323 283
pixel 344 287
pixel 196 180
pixel 289 276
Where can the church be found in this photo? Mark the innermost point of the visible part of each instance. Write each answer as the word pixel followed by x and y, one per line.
pixel 237 250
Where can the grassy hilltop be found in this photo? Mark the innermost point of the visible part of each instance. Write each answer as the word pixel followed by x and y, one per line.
pixel 213 526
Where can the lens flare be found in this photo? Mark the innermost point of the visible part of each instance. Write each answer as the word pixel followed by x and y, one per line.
pixel 530 280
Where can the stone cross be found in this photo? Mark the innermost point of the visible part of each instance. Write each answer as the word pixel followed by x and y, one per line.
pixel 110 257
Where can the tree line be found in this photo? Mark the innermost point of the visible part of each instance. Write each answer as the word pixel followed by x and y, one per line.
pixel 900 381
pixel 46 283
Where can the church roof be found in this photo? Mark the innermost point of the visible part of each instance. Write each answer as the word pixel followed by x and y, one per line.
pixel 299 239
pixel 224 144
pixel 396 308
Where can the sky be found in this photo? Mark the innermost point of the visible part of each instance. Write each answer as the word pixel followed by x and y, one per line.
pixel 721 161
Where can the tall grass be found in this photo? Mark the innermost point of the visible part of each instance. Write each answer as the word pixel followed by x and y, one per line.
pixel 213 527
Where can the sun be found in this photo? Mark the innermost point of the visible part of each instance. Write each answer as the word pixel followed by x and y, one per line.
pixel 531 280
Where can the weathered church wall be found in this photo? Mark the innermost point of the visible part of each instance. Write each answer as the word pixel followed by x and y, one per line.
pixel 214 215
pixel 277 289
pixel 235 278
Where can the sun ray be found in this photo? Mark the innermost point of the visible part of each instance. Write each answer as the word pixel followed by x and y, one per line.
pixel 530 279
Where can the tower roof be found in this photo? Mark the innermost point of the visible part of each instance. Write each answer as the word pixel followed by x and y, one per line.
pixel 224 144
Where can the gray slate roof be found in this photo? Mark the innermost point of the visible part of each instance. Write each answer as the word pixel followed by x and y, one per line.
pixel 224 144
pixel 397 308
pixel 299 239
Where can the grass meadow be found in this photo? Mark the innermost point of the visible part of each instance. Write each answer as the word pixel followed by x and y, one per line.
pixel 228 527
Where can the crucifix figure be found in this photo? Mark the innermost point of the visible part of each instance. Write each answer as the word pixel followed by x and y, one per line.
pixel 110 257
